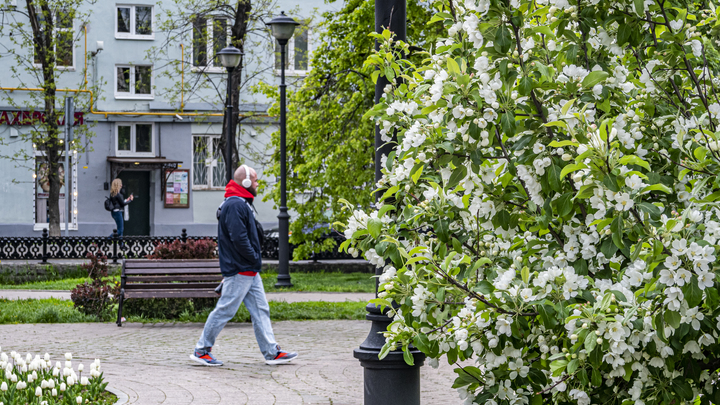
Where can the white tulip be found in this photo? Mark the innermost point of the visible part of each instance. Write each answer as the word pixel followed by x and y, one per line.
pixel 38 392
pixel 70 381
pixel 68 364
pixel 54 392
pixel 3 386
pixel 56 372
pixel 78 400
pixel 43 384
pixel 81 367
pixel 51 383
pixel 13 378
pixel 62 387
pixel 28 358
pixel 47 356
pixel 84 381
pixel 68 356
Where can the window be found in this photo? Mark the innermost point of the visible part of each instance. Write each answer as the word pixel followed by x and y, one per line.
pixel 297 52
pixel 133 81
pixel 134 22
pixel 135 140
pixel 210 35
pixel 63 40
pixel 42 192
pixel 208 163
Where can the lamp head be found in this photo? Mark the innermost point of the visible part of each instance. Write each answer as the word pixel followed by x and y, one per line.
pixel 230 57
pixel 282 27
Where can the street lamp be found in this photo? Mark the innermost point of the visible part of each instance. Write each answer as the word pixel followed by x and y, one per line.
pixel 283 28
pixel 230 58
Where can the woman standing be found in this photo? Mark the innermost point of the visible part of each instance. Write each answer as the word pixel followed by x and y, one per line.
pixel 119 202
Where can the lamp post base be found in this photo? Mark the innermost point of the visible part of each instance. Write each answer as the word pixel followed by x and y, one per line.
pixel 283 280
pixel 389 381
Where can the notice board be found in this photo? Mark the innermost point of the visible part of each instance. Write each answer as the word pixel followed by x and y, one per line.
pixel 177 191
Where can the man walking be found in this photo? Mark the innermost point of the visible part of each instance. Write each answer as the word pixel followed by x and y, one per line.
pixel 240 262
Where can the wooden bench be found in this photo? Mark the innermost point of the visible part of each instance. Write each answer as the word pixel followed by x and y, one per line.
pixel 142 278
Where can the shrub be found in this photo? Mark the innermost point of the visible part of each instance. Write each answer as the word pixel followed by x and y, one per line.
pixel 167 308
pixel 192 249
pixel 94 298
pixel 551 208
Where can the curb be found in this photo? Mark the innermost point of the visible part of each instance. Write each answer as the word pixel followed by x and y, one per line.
pixel 122 397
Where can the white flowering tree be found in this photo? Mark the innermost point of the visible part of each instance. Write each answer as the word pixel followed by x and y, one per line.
pixel 551 208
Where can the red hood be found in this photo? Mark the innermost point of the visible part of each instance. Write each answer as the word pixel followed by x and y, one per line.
pixel 235 190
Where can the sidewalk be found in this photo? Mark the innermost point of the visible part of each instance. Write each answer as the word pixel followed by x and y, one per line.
pixel 271 296
pixel 158 370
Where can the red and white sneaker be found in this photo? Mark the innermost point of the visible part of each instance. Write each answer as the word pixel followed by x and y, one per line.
pixel 282 357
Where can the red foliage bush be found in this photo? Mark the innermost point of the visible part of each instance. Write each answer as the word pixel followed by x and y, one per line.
pixel 94 298
pixel 192 249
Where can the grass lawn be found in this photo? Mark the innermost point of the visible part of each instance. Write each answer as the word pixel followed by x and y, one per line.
pixel 325 282
pixel 62 311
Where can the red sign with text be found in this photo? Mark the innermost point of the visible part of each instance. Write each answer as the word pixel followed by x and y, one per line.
pixel 31 117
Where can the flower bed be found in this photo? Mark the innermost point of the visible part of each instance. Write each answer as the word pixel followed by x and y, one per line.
pixel 34 380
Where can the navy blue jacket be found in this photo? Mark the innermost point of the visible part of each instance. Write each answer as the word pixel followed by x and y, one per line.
pixel 238 243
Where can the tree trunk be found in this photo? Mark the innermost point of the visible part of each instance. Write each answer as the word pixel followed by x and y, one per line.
pixel 237 39
pixel 43 38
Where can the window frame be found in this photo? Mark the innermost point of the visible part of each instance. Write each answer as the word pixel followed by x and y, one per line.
pixel 131 95
pixel 208 166
pixel 132 34
pixel 57 29
pixel 133 141
pixel 73 220
pixel 290 54
pixel 209 45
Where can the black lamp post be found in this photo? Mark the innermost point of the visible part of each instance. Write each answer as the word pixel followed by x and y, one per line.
pixel 391 380
pixel 283 28
pixel 230 58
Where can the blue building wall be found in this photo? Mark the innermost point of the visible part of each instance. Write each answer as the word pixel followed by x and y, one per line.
pixel 173 136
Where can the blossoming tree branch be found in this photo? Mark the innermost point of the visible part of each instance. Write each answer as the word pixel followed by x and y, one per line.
pixel 550 210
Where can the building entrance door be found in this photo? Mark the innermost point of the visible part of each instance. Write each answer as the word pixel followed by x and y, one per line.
pixel 137 183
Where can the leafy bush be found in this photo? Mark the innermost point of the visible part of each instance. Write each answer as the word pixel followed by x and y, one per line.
pixel 192 249
pixel 551 207
pixel 94 298
pixel 167 308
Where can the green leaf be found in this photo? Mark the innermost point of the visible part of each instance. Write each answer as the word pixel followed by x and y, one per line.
pixel 453 66
pixel 596 378
pixel 567 106
pixel 635 160
pixel 417 172
pixel 586 191
pixel 673 319
pixel 571 168
pixel 375 227
pixel 502 40
pixel 617 232
pixel 590 342
pixel 525 86
pixel 564 204
pixel 384 209
pixel 573 365
pixel 693 293
pixel 640 7
pixel 507 121
pixel 391 191
pixel 682 388
pixel 408 357
pixel 657 187
pixel 442 230
pixel 594 78
pixel 525 274
pixel 619 296
pixel 561 124
pixel 457 175
pixel 553 172
pixel 557 367
pixel 502 219
pixel 624 33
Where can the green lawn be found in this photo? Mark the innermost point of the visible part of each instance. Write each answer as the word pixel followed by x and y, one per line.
pixel 328 282
pixel 62 311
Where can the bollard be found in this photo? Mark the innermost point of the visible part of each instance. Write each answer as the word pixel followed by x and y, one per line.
pixel 115 246
pixel 183 235
pixel 44 245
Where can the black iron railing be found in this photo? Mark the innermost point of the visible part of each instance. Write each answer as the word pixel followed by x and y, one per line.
pixel 132 247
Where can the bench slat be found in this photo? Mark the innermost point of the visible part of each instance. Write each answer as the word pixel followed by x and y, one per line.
pixel 155 279
pixel 187 293
pixel 170 263
pixel 170 286
pixel 181 271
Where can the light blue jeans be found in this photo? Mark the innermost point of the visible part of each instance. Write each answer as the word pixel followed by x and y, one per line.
pixel 250 291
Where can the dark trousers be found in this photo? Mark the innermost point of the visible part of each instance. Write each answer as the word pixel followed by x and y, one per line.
pixel 119 221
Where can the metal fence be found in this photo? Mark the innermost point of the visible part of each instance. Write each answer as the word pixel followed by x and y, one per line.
pixel 132 247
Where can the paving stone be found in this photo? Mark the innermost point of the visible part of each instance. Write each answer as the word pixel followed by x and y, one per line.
pixel 149 363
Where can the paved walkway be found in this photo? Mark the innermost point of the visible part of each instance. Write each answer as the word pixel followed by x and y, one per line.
pixel 149 365
pixel 271 296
